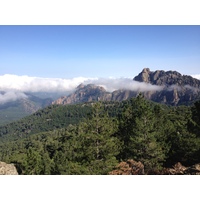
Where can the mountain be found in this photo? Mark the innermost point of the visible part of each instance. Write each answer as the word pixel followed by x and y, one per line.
pixel 175 89
pixel 84 93
pixel 168 78
pixel 14 110
pixel 91 92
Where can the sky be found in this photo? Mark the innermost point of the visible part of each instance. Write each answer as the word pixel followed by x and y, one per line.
pixel 59 58
pixel 98 51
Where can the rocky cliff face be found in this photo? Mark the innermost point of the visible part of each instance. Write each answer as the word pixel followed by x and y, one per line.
pixel 91 92
pixel 86 93
pixel 168 78
pixel 177 89
pixel 7 169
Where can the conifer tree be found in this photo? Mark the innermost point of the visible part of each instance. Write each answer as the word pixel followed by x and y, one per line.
pixel 140 134
pixel 99 147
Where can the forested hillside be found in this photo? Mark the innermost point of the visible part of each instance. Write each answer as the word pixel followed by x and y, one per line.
pixel 54 117
pixel 101 135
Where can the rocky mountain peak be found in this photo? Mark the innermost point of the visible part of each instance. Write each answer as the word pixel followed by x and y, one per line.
pixel 146 71
pixel 167 78
pixel 84 93
pixel 143 76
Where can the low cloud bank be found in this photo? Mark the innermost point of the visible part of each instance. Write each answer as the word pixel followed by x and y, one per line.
pixel 15 86
pixel 11 96
pixel 113 84
pixel 36 84
pixel 181 88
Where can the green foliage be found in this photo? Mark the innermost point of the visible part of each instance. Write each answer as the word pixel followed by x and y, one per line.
pixel 141 134
pixel 93 138
pixel 33 162
pixel 98 144
pixel 51 118
pixel 184 143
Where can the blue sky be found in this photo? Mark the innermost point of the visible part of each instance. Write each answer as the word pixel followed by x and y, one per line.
pixel 98 51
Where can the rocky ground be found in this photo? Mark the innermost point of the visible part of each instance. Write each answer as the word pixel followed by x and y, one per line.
pixel 132 167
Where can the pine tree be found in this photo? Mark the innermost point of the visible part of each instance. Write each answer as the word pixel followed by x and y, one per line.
pixel 99 147
pixel 140 134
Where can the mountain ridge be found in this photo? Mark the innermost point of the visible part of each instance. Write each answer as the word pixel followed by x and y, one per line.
pixel 176 89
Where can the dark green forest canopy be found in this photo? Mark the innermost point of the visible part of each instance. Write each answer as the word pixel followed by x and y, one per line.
pixel 54 117
pixel 50 118
pixel 92 138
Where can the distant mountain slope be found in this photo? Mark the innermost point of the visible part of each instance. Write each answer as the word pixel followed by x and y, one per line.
pixel 176 89
pixel 14 110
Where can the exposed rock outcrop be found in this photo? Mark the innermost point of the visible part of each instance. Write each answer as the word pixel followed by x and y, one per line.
pixel 179 169
pixel 163 78
pixel 130 167
pixel 7 169
pixel 176 89
pixel 85 93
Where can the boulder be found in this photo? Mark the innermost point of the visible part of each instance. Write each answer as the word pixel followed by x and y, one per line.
pixel 7 169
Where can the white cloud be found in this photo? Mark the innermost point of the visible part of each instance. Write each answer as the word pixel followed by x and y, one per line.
pixel 36 84
pixel 112 84
pixel 15 86
pixel 174 87
pixel 11 96
pixel 197 76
